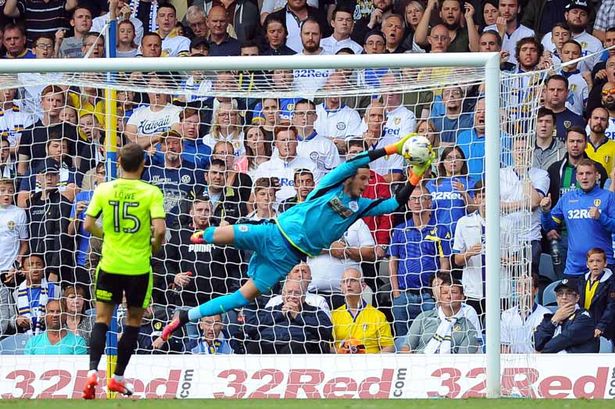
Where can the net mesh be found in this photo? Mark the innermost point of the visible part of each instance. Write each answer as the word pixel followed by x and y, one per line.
pixel 234 115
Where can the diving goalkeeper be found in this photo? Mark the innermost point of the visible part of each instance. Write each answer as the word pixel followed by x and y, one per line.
pixel 300 232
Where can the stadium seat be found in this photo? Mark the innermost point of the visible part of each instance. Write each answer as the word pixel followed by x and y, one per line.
pixel 606 346
pixel 14 344
pixel 545 267
pixel 549 299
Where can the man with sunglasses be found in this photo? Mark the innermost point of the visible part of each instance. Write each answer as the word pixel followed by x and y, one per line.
pixel 608 102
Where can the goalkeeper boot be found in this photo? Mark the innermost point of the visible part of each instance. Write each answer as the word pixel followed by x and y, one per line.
pixel 174 325
pixel 122 386
pixel 89 390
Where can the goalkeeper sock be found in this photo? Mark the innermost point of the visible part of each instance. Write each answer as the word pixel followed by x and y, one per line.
pixel 125 348
pixel 97 344
pixel 218 306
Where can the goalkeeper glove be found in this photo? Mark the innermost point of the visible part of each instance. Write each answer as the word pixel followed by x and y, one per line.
pixel 398 146
pixel 417 171
pixel 197 237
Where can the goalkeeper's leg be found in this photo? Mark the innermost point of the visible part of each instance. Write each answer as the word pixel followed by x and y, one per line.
pixel 240 298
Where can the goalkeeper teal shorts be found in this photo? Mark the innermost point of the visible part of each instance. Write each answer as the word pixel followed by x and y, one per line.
pixel 273 256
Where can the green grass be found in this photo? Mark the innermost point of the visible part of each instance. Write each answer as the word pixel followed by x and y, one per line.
pixel 307 404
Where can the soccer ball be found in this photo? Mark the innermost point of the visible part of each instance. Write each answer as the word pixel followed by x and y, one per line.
pixel 417 150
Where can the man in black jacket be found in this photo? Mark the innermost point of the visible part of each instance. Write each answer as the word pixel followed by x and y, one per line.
pixel 196 273
pixel 49 216
pixel 571 328
pixel 291 327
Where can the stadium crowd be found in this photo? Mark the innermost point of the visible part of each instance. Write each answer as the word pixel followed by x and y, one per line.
pixel 411 282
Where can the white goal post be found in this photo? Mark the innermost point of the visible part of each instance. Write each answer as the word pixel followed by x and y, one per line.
pixel 490 62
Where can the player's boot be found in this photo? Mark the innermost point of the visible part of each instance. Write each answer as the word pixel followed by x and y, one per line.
pixel 89 390
pixel 174 325
pixel 122 387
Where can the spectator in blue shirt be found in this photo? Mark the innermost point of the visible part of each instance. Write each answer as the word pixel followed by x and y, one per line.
pixel 419 248
pixel 194 149
pixel 213 340
pixel 56 340
pixel 589 214
pixel 452 120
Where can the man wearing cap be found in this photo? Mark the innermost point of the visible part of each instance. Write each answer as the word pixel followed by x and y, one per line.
pixel 577 17
pixel 199 45
pixel 49 214
pixel 571 328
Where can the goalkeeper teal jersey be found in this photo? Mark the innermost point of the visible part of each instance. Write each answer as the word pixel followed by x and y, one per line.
pixel 328 211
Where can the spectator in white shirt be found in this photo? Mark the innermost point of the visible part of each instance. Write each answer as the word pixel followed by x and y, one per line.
pixel 308 81
pixel 123 12
pixel 319 149
pixel 173 45
pixel 400 121
pixel 509 28
pixel 518 323
pixel 343 24
pixel 284 164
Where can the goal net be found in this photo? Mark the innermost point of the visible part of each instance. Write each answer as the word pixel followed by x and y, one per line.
pixel 394 308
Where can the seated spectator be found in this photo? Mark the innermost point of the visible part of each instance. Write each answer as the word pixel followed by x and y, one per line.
pixel 44 46
pixel 264 200
pixel 577 17
pixel 356 246
pixel 13 233
pixel 458 22
pixel 468 252
pixel 126 40
pixel 14 42
pixel 548 149
pixel 368 17
pixel 307 82
pixel 377 188
pixel 357 324
pixel 48 212
pixel 303 185
pixel 490 41
pixel 450 189
pixel 220 42
pixel 313 146
pixel 225 151
pixel 55 340
pixel 600 147
pixel 599 72
pixel 283 166
pixel 148 341
pixel 302 273
pixel 32 146
pixel 81 22
pixel 148 122
pixel 293 327
pixel 93 45
pixel 31 296
pixel 419 248
pixel 258 150
pixel 194 150
pixel 597 293
pixel 554 41
pixel 226 126
pixel 151 46
pixel 394 29
pixel 213 341
pixel 400 121
pixel 196 273
pixel 571 328
pixel 518 324
pixel 275 37
pixel 522 189
pixel 509 28
pixel 74 306
pixel 173 44
pixel 342 22
pixel 196 20
pixel 556 95
pixel 608 98
pixel 293 14
pixel 123 13
pixel 444 330
pixel 453 120
pixel 14 119
pixel 467 310
pixel 57 156
pixel 578 83
pixel 390 169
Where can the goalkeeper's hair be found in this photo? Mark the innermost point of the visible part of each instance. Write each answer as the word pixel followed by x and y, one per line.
pixel 131 157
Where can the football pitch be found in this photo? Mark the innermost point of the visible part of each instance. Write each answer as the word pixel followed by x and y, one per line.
pixel 305 404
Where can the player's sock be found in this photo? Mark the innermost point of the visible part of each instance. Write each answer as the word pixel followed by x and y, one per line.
pixel 218 306
pixel 125 348
pixel 97 344
pixel 208 235
pixel 119 378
